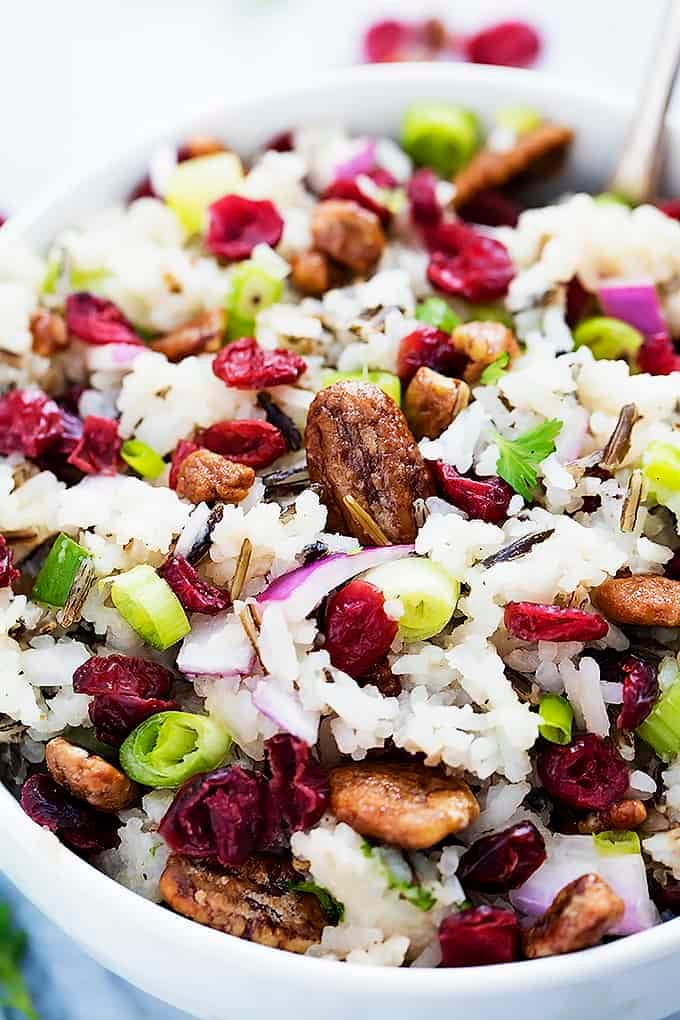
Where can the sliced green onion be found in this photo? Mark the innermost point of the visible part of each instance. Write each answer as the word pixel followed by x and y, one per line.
pixel 521 120
pixel 556 719
pixel 87 279
pixel 661 728
pixel 57 574
pixel 252 289
pixel 428 594
pixel 608 339
pixel 496 370
pixel 197 183
pixel 436 312
pixel 661 468
pixel 141 458
pixel 441 135
pixel 612 198
pixel 332 909
pixel 390 384
pixel 415 894
pixel 617 843
pixel 49 284
pixel 170 747
pixel 150 606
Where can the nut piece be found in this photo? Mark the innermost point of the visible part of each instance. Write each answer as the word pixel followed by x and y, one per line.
pixel 251 902
pixel 644 600
pixel 348 233
pixel 314 273
pixel 578 917
pixel 409 805
pixel 490 169
pixel 203 334
pixel 205 476
pixel 89 777
pixel 49 333
pixel 483 343
pixel 623 815
pixel 359 444
pixel 432 401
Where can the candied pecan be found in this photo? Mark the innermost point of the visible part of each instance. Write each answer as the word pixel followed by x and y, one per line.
pixel 432 401
pixel 314 273
pixel 644 600
pixel 483 343
pixel 490 169
pixel 204 476
pixel 89 777
pixel 253 901
pixel 49 333
pixel 348 233
pixel 578 917
pixel 623 815
pixel 202 334
pixel 409 805
pixel 359 444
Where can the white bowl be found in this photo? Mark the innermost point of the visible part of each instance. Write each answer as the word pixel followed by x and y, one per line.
pixel 215 976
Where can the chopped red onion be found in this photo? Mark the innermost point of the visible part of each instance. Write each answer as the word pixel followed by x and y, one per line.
pixel 362 162
pixel 285 709
pixel 634 302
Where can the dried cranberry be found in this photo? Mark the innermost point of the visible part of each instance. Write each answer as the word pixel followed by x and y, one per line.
pixel 283 142
pixel 480 271
pixel 298 790
pixel 579 301
pixel 386 41
pixel 236 224
pixel 509 43
pixel 143 189
pixel 180 453
pixel 666 897
pixel 8 572
pixel 491 209
pixel 98 449
pixel 478 936
pixel 244 365
pixel 351 190
pixel 658 356
pixel 672 568
pixel 671 207
pixel 254 443
pixel 358 630
pixel 382 177
pixel 533 621
pixel 123 674
pixel 30 423
pixel 115 716
pixel 195 594
pixel 77 824
pixel 587 774
pixel 640 691
pixel 504 860
pixel 422 195
pixel 97 321
pixel 432 347
pixel 3 219
pixel 483 499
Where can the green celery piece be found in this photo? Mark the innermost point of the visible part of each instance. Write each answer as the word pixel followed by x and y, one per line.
pixel 332 909
pixel 57 574
pixel 616 843
pixel 519 458
pixel 496 370
pixel 661 728
pixel 13 990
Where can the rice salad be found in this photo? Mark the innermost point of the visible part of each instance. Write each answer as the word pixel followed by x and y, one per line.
pixel 339 544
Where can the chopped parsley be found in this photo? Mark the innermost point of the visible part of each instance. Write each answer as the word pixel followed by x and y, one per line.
pixel 332 909
pixel 416 894
pixel 13 990
pixel 519 458
pixel 496 370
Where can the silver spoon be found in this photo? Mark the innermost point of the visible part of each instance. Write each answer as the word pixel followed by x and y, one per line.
pixel 638 168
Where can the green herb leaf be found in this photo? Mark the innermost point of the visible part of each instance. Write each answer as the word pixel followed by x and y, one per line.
pixel 495 371
pixel 13 990
pixel 332 909
pixel 519 458
pixel 415 894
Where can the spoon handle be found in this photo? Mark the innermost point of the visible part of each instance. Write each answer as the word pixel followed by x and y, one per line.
pixel 637 171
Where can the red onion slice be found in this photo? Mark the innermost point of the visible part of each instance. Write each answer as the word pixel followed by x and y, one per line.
pixel 635 302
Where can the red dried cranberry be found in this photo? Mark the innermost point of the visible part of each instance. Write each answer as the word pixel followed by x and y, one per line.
pixel 480 271
pixel 115 716
pixel 8 572
pixel 297 793
pixel 30 423
pixel 351 190
pixel 666 897
pixel 143 189
pixel 386 41
pixel 483 499
pixel 504 860
pixel 195 594
pixel 3 219
pixel 579 301
pixel 640 691
pixel 244 365
pixel 672 568
pixel 97 321
pixel 254 443
pixel 490 208
pixel 358 630
pixel 123 674
pixel 424 207
pixel 432 347
pixel 509 43
pixel 382 177
pixel 283 142
pixel 97 451
pixel 478 936
pixel 658 355
pixel 236 224
pixel 181 452
pixel 587 774
pixel 533 621
pixel 671 207
pixel 77 824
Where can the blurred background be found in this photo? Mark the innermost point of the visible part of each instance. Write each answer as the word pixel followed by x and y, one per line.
pixel 80 80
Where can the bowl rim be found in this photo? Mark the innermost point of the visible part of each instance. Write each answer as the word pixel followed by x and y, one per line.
pixel 24 837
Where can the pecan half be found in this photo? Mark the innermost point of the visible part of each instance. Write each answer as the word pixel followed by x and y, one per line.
pixel 359 444
pixel 490 169
pixel 623 815
pixel 483 343
pixel 314 273
pixel 205 476
pixel 578 917
pixel 348 233
pixel 49 333
pixel 89 777
pixel 409 805
pixel 432 401
pixel 252 902
pixel 203 334
pixel 643 600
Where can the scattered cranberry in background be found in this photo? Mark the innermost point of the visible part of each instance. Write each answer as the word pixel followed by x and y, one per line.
pixel 8 572
pixel 245 365
pixel 98 449
pixel 481 271
pixel 579 301
pixel 3 219
pixel 195 594
pixel 77 824
pixel 390 41
pixel 425 209
pixel 283 142
pixel 478 936
pixel 509 43
pixel 237 224
pixel 482 499
pixel 431 347
pixel 587 774
pixel 671 207
pixel 533 621
pixel 504 860
pixel 640 690
pixel 658 355
pixel 358 630
pixel 30 423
